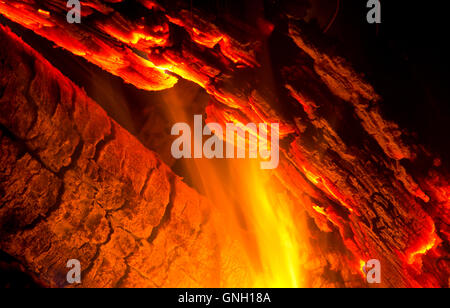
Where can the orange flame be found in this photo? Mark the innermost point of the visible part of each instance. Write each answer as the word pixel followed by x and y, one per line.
pixel 257 215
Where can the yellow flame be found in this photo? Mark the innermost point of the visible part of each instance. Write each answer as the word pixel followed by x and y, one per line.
pixel 44 12
pixel 260 216
pixel 255 213
pixel 270 216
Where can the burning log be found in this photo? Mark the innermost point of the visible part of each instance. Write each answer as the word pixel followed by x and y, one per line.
pixel 75 185
pixel 360 180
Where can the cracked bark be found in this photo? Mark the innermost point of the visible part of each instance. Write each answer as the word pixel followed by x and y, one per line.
pixel 81 187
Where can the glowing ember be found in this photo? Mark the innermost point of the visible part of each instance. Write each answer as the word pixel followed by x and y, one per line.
pixel 44 12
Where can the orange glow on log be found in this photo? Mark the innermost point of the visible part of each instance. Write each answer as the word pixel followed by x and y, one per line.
pixel 426 243
pixel 44 12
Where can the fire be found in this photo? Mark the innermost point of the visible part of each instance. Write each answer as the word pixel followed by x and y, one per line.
pixel 261 218
pixel 327 187
pixel 320 210
pixel 413 257
pixel 362 265
pixel 270 216
pixel 44 12
pixel 264 222
pixel 116 60
pixel 425 244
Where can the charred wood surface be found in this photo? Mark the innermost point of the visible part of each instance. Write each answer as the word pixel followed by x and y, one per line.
pixel 75 185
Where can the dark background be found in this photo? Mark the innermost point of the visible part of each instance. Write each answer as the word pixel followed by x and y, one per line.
pixel 406 58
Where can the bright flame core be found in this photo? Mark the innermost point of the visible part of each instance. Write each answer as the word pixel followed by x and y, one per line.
pixel 259 225
pixel 270 215
pixel 260 218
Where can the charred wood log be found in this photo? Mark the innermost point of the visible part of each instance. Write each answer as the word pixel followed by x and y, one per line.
pixel 75 185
